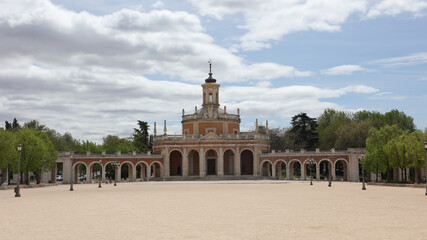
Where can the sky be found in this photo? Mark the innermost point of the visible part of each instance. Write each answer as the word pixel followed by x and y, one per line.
pixel 93 68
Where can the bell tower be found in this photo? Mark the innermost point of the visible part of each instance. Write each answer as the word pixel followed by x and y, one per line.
pixel 210 91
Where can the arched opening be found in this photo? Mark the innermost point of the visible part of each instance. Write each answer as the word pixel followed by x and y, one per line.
pixel 175 166
pixel 266 169
pixel 79 173
pixel 281 169
pixel 126 172
pixel 193 163
pixel 310 169
pixel 110 172
pixel 141 172
pixel 156 170
pixel 211 162
pixel 96 171
pixel 324 167
pixel 247 162
pixel 294 170
pixel 341 170
pixel 228 162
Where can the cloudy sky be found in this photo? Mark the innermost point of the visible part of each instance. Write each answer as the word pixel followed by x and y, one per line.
pixel 95 67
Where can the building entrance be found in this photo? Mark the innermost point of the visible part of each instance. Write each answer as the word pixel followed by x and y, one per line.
pixel 211 167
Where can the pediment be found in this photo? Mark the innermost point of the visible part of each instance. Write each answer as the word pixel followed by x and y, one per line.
pixel 210 136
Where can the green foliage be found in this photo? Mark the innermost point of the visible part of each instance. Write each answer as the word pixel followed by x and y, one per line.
pixel 88 146
pixel 12 126
pixel 352 135
pixel 376 159
pixel 38 153
pixel 8 150
pixel 394 117
pixel 305 130
pixel 341 130
pixel 141 138
pixel 114 144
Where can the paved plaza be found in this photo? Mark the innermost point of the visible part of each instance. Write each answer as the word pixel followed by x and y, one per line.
pixel 215 210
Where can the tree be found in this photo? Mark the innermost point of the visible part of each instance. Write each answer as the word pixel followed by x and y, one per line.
pixel 394 117
pixel 277 138
pixel 329 123
pixel 12 126
pixel 396 153
pixel 114 144
pixel 376 159
pixel 305 129
pixel 7 148
pixel 415 152
pixel 38 153
pixel 141 139
pixel 352 135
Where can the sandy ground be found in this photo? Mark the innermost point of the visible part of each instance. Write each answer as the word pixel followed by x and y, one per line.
pixel 215 210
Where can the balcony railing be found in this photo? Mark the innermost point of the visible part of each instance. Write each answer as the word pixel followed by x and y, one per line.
pixel 241 136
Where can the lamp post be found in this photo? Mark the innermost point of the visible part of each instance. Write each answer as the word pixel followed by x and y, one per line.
pixel 425 147
pixel 115 172
pixel 330 172
pixel 71 177
pixel 17 189
pixel 363 173
pixel 311 162
pixel 100 174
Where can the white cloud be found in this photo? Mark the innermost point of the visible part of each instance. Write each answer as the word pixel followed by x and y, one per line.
pixel 410 60
pixel 386 96
pixel 157 4
pixel 285 101
pixel 269 20
pixel 395 7
pixel 342 70
pixel 160 41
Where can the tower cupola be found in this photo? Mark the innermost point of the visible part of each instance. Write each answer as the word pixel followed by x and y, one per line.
pixel 210 91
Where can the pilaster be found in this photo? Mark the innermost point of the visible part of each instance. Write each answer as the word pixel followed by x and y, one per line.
pixel 166 167
pixel 220 170
pixel 185 163
pixel 202 163
pixel 237 162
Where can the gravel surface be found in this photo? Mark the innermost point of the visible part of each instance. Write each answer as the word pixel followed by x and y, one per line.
pixel 215 210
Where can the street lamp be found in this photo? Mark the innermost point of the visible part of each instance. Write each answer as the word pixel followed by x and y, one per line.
pixel 115 172
pixel 363 173
pixel 330 172
pixel 311 162
pixel 71 177
pixel 100 174
pixel 17 189
pixel 425 147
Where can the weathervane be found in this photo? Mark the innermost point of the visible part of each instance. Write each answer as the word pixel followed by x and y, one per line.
pixel 210 65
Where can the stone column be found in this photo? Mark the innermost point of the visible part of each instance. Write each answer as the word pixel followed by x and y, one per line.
pixel 88 174
pixel 303 169
pixel 166 168
pixel 333 171
pixel 102 173
pixel 119 173
pixel 256 161
pixel 288 171
pixel 220 170
pixel 273 171
pixel 317 171
pixel 148 172
pixel 185 163
pixel 202 163
pixel 237 162
pixel 133 179
pixel 66 171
